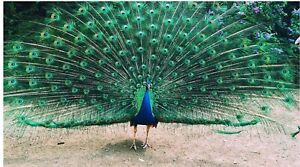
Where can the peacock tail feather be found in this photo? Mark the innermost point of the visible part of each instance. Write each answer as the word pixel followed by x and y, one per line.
pixel 88 63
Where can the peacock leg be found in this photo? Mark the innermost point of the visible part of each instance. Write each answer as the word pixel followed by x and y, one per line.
pixel 145 145
pixel 134 134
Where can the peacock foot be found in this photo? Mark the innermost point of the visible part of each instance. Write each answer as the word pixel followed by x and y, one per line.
pixel 145 145
pixel 133 146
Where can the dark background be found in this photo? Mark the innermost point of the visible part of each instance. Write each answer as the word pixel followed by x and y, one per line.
pixel 282 23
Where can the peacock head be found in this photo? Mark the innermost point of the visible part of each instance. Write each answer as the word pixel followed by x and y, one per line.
pixel 148 85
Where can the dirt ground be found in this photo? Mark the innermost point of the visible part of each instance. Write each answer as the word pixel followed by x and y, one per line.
pixel 180 146
pixel 172 145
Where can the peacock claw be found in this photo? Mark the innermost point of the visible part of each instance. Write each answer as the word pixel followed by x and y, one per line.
pixel 146 145
pixel 133 146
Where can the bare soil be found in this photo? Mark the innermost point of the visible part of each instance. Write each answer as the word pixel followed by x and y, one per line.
pixel 187 146
pixel 172 145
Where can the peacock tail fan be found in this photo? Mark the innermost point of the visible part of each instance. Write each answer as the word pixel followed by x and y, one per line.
pixel 87 64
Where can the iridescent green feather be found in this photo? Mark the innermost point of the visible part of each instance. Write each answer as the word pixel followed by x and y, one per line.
pixel 87 64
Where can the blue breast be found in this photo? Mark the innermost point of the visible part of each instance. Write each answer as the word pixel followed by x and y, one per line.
pixel 145 115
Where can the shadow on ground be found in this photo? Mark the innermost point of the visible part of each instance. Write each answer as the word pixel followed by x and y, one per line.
pixel 123 146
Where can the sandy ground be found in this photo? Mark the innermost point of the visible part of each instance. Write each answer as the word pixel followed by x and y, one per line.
pixel 172 145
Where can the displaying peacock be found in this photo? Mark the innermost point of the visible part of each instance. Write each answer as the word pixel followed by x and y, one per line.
pixel 100 63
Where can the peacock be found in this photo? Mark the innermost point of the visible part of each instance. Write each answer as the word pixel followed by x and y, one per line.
pixel 102 63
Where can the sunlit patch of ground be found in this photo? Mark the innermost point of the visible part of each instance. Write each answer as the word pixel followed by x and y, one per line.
pixel 172 145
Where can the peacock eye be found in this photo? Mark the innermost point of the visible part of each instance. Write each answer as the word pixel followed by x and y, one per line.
pixel 203 59
pixel 53 15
